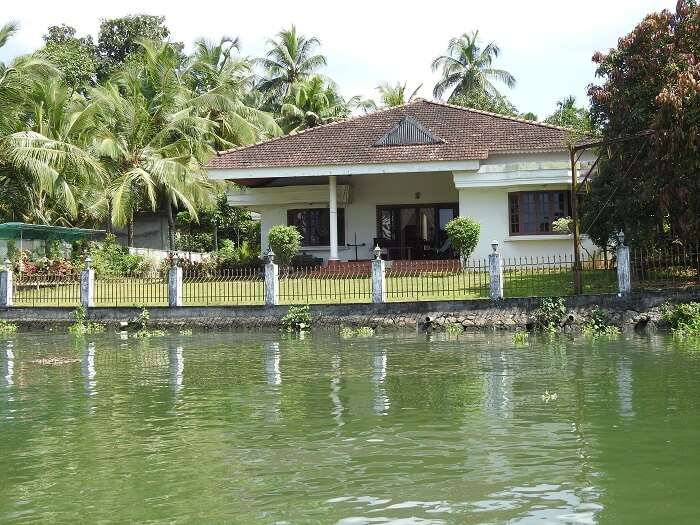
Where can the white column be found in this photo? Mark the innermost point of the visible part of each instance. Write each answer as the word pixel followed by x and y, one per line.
pixel 333 205
pixel 272 282
pixel 87 285
pixel 495 273
pixel 175 285
pixel 378 278
pixel 6 286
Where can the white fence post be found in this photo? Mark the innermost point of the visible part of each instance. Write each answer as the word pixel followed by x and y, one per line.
pixel 87 285
pixel 624 281
pixel 6 286
pixel 175 284
pixel 271 280
pixel 496 273
pixel 378 277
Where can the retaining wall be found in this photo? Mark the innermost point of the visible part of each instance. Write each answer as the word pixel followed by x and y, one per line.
pixel 638 308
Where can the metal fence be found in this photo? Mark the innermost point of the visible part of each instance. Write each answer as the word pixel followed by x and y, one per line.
pixel 142 290
pixel 437 280
pixel 242 286
pixel 350 283
pixel 554 275
pixel 662 268
pixel 46 290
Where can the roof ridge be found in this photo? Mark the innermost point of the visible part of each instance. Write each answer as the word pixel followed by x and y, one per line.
pixel 500 115
pixel 322 126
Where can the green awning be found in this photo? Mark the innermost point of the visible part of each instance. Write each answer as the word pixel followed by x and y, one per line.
pixel 20 230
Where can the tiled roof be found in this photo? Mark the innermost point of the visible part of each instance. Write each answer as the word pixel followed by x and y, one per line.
pixel 468 134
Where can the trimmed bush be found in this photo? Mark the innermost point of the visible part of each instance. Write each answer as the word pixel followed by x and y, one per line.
pixel 464 235
pixel 285 241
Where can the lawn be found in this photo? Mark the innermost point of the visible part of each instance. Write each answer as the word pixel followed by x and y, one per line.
pixel 318 290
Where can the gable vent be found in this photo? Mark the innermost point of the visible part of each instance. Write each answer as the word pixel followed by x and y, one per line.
pixel 408 132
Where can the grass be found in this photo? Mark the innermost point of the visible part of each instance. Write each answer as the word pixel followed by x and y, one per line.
pixel 319 290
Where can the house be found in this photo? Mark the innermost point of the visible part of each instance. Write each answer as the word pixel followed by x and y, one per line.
pixel 395 177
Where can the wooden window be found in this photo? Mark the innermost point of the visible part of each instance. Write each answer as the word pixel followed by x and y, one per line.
pixel 533 212
pixel 314 224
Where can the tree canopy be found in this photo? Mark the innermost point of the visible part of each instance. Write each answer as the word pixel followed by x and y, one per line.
pixel 651 81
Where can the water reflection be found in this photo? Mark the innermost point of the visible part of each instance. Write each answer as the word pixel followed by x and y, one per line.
pixel 273 374
pixel 624 387
pixel 498 386
pixel 176 365
pixel 87 367
pixel 381 399
pixel 8 365
pixel 335 390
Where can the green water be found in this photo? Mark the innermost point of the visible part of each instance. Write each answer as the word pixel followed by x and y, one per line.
pixel 262 428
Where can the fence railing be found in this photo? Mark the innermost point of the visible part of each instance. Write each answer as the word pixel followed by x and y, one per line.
pixel 667 267
pixel 139 290
pixel 674 267
pixel 437 280
pixel 325 284
pixel 46 289
pixel 243 286
pixel 554 275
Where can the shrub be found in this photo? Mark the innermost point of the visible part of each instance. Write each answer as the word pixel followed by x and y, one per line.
pixel 109 259
pixel 464 235
pixel 7 327
pixel 454 328
pixel 144 332
pixel 684 319
pixel 600 324
pixel 194 242
pixel 562 225
pixel 82 326
pixel 285 241
pixel 520 337
pixel 297 319
pixel 550 313
pixel 362 331
pixel 232 256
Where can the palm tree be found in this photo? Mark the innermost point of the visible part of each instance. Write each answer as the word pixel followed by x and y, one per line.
pixel 153 139
pixel 45 157
pixel 312 102
pixel 467 67
pixel 223 79
pixel 291 58
pixel 395 95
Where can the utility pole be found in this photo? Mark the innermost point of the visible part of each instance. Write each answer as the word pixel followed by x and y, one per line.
pixel 574 217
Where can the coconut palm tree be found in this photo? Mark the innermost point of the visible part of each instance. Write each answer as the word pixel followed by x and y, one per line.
pixel 153 139
pixel 215 68
pixel 291 58
pixel 395 95
pixel 312 102
pixel 467 67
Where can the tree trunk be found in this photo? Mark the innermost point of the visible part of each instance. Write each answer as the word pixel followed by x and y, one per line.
pixel 216 237
pixel 110 227
pixel 171 225
pixel 130 230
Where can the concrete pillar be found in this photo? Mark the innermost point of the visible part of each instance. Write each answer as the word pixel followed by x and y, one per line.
pixel 175 285
pixel 272 281
pixel 87 285
pixel 378 277
pixel 6 286
pixel 496 273
pixel 333 206
pixel 624 282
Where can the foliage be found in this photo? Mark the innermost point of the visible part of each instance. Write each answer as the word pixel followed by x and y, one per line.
pixel 520 337
pixel 362 331
pixel 312 102
pixel 463 232
pixel 118 39
pixel 7 327
pixel 144 331
pixel 684 319
pixel 651 81
pixel 75 58
pixel 390 95
pixel 81 325
pixel 232 256
pixel 569 115
pixel 297 319
pixel 481 100
pixel 285 242
pixel 467 67
pixel 600 324
pixel 186 331
pixel 454 328
pixel 194 242
pixel 109 259
pixel 549 313
pixel 562 225
pixel 291 58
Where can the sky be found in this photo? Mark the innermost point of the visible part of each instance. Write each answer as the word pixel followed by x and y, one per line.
pixel 547 45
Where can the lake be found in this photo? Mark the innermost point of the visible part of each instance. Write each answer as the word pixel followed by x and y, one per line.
pixel 400 428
